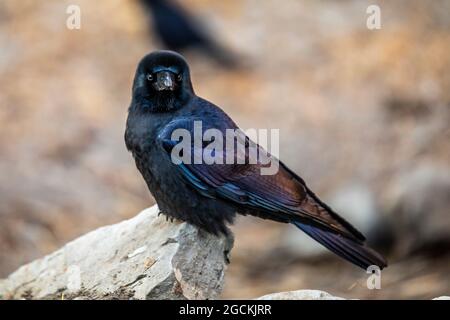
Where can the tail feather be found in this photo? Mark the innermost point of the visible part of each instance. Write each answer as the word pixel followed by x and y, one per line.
pixel 351 250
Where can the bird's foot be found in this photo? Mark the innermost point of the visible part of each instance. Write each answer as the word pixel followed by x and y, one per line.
pixel 165 215
pixel 171 219
pixel 168 217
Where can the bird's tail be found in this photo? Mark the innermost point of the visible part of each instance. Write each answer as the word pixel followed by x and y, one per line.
pixel 351 250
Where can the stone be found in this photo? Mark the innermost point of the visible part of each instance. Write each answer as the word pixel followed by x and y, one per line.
pixel 300 295
pixel 145 257
pixel 442 298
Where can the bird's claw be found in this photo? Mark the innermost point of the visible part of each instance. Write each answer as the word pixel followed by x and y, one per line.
pixel 169 218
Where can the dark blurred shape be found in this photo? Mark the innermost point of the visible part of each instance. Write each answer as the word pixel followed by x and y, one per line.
pixel 399 107
pixel 419 202
pixel 179 31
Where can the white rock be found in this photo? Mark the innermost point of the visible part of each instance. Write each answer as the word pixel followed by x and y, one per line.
pixel 145 257
pixel 442 298
pixel 300 295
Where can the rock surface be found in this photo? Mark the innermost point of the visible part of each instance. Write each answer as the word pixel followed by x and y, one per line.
pixel 311 295
pixel 145 257
pixel 300 295
pixel 442 298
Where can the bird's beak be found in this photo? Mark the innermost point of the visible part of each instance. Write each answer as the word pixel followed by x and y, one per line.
pixel 165 80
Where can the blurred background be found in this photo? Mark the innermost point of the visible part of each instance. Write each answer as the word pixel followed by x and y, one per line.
pixel 364 118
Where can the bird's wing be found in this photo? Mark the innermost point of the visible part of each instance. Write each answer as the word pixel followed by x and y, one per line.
pixel 282 196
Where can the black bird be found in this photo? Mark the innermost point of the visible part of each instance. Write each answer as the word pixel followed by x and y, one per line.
pixel 209 195
pixel 180 31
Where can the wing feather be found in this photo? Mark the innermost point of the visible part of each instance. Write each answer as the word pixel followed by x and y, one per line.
pixel 283 196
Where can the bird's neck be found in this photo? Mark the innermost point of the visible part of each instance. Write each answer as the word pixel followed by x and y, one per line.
pixel 159 103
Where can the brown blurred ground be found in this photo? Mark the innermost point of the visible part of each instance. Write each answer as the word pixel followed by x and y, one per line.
pixel 355 107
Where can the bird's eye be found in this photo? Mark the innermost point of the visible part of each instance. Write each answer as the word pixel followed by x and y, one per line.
pixel 149 77
pixel 179 77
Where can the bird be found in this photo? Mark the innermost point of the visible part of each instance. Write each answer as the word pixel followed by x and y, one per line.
pixel 210 195
pixel 179 31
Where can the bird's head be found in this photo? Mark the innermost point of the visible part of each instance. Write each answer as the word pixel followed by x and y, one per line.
pixel 162 82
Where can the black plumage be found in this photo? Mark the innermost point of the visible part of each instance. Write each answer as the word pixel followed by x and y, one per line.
pixel 209 195
pixel 178 30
